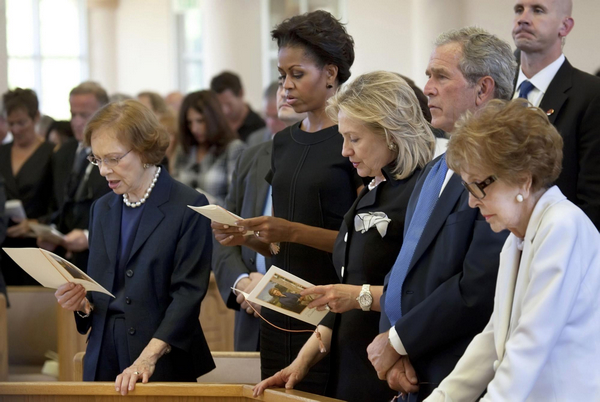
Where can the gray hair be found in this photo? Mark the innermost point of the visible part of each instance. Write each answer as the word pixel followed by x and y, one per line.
pixel 483 54
pixel 91 88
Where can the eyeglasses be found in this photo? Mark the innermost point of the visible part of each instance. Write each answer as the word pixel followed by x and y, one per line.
pixel 108 162
pixel 476 189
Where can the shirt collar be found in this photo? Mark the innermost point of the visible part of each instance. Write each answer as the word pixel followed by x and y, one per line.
pixel 544 77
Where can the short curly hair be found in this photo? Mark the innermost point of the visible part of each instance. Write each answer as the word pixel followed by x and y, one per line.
pixel 20 98
pixel 386 104
pixel 324 37
pixel 134 125
pixel 510 140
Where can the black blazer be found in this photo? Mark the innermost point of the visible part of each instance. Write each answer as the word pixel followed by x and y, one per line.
pixel 166 279
pixel 574 98
pixel 246 198
pixel 365 258
pixel 3 225
pixel 73 210
pixel 448 293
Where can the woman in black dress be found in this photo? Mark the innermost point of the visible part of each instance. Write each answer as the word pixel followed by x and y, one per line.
pixel 25 164
pixel 386 138
pixel 313 185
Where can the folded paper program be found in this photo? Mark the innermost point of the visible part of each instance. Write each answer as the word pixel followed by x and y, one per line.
pixel 366 220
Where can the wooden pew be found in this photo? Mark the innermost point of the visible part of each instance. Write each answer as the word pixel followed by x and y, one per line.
pixel 232 368
pixel 32 331
pixel 151 392
pixel 3 340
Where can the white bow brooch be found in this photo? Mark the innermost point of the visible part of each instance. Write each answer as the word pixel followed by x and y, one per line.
pixel 366 220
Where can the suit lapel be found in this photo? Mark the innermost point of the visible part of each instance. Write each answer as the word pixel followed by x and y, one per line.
pixel 556 94
pixel 152 214
pixel 442 209
pixel 510 259
pixel 111 228
pixel 261 185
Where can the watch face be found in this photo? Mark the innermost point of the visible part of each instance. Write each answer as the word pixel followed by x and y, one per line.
pixel 365 299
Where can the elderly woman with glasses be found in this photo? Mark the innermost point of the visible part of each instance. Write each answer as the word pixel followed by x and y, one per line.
pixel 150 251
pixel 541 343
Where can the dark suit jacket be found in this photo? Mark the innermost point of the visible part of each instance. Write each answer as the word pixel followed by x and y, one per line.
pixel 166 279
pixel 3 225
pixel 575 98
pixel 73 210
pixel 246 198
pixel 447 296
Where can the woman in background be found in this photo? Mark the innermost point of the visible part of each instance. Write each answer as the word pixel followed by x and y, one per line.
pixel 541 343
pixel 386 138
pixel 25 164
pixel 58 133
pixel 208 149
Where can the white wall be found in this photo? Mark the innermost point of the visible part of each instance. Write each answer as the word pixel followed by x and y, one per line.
pixel 3 50
pixel 232 41
pixel 144 46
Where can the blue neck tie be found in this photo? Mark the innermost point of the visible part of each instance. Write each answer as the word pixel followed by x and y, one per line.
pixel 425 204
pixel 526 87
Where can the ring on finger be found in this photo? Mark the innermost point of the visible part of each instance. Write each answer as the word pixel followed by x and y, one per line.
pixel 257 233
pixel 327 307
pixel 137 373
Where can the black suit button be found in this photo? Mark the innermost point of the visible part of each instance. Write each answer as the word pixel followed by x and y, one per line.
pixel 251 260
pixel 132 331
pixel 129 273
pixel 127 300
pixel 409 292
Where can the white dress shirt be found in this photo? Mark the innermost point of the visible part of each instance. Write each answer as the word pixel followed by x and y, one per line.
pixel 541 81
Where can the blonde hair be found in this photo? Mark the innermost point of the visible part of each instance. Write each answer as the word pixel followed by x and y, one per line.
pixel 510 140
pixel 387 106
pixel 134 125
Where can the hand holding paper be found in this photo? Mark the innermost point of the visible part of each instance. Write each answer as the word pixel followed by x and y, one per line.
pixel 52 271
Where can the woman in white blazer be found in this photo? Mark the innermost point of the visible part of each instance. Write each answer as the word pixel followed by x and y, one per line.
pixel 542 342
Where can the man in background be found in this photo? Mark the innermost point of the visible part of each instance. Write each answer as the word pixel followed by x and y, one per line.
pixel 271 112
pixel 77 183
pixel 241 118
pixel 249 196
pixel 570 97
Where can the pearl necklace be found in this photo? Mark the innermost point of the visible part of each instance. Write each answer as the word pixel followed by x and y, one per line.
pixel 143 200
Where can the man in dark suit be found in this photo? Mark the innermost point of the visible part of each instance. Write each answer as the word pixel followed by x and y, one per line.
pixel 77 183
pixel 237 266
pixel 570 97
pixel 3 225
pixel 241 118
pixel 439 293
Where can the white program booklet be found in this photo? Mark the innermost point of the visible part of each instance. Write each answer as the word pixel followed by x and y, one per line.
pixel 47 233
pixel 50 270
pixel 280 291
pixel 219 214
pixel 14 210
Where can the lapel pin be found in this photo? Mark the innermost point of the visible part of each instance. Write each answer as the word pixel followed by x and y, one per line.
pixel 550 112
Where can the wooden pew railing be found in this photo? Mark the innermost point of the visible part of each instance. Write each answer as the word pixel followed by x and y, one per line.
pixel 151 392
pixel 232 368
pixel 3 340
